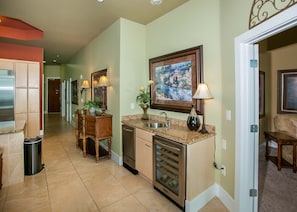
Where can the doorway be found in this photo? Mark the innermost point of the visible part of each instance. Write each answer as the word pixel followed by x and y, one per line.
pixel 246 167
pixel 54 99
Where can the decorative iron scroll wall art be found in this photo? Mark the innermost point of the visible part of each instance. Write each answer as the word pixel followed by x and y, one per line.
pixel 264 9
pixel 176 76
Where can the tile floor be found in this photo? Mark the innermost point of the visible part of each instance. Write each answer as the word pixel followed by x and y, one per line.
pixel 70 182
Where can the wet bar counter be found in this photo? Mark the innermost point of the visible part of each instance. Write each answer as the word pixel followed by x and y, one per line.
pixel 12 148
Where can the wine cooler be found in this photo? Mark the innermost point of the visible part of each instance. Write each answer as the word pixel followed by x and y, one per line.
pixel 169 169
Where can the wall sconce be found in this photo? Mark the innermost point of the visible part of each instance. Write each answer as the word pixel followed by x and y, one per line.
pixel 203 93
pixel 103 83
pixel 84 86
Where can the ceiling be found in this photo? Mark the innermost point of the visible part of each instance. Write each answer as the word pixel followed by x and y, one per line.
pixel 69 25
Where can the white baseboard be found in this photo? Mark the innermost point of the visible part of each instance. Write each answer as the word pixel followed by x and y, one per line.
pixel 114 156
pixel 225 198
pixel 201 200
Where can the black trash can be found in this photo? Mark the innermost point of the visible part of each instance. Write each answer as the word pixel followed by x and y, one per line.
pixel 32 155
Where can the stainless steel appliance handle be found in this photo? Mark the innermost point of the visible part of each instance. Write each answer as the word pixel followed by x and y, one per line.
pixel 170 147
pixel 127 130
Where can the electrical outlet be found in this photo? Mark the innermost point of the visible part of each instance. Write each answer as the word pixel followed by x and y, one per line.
pixel 223 170
pixel 224 144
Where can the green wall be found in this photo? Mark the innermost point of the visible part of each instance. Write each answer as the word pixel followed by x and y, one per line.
pixel 125 48
pixel 192 24
pixel 234 21
pixel 50 71
pixel 120 49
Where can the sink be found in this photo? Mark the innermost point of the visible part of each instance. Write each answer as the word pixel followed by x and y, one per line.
pixel 156 125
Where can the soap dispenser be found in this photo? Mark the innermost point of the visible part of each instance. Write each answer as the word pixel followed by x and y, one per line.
pixel 193 121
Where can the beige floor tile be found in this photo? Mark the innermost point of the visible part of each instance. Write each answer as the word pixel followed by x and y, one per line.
pixel 133 183
pixel 71 182
pixel 127 204
pixel 57 164
pixel 37 181
pixel 74 203
pixel 152 200
pixel 65 189
pixel 61 176
pixel 29 200
pixel 107 194
pixel 214 205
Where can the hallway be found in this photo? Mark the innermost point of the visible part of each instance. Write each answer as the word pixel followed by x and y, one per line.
pixel 70 182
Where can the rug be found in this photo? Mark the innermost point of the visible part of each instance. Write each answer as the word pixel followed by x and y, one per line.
pixel 277 189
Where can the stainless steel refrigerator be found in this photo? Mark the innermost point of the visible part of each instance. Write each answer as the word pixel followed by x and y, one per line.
pixel 7 96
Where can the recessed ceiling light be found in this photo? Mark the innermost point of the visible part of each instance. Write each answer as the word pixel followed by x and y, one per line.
pixel 100 1
pixel 156 2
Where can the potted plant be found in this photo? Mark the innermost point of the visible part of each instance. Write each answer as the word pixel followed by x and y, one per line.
pixel 143 99
pixel 92 106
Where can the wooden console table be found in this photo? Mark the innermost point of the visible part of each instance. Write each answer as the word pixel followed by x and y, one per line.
pixel 97 128
pixel 280 139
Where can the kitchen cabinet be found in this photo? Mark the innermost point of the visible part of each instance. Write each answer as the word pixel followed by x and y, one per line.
pixel 199 166
pixel 27 93
pixel 144 153
pixel 27 102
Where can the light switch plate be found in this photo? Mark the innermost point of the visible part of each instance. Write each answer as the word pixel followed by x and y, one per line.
pixel 228 115
pixel 224 144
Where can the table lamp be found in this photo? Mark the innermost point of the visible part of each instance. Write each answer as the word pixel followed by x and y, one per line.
pixel 203 93
pixel 103 83
pixel 84 86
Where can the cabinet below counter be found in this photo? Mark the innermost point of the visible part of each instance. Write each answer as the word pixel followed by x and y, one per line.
pixel 198 168
pixel 12 148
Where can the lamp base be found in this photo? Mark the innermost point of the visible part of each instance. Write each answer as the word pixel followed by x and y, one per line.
pixel 203 130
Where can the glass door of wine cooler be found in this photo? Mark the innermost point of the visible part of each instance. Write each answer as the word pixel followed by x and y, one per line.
pixel 169 168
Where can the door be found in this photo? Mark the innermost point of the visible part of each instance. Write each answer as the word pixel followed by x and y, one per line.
pixel 54 95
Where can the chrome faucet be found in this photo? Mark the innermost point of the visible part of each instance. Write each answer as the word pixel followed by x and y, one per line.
pixel 167 121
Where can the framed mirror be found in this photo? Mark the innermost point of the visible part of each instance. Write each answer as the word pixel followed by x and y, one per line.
pixel 97 92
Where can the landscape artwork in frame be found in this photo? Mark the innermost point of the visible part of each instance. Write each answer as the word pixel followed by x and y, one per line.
pixel 176 77
pixel 96 92
pixel 287 91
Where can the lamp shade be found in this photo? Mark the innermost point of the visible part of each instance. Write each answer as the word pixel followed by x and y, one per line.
pixel 202 92
pixel 85 84
pixel 103 81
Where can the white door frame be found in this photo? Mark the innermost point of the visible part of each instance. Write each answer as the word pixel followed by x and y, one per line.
pixel 244 163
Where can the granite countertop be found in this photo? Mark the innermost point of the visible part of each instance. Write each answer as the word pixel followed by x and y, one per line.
pixel 13 127
pixel 178 130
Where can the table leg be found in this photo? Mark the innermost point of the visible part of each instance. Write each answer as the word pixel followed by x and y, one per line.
pixel 267 148
pixel 97 150
pixel 279 156
pixel 109 147
pixel 84 146
pixel 294 157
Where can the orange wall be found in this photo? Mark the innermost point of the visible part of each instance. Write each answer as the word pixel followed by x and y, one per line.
pixel 17 52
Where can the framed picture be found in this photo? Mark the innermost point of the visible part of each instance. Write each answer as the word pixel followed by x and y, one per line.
pixel 287 91
pixel 97 92
pixel 176 77
pixel 74 92
pixel 261 94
